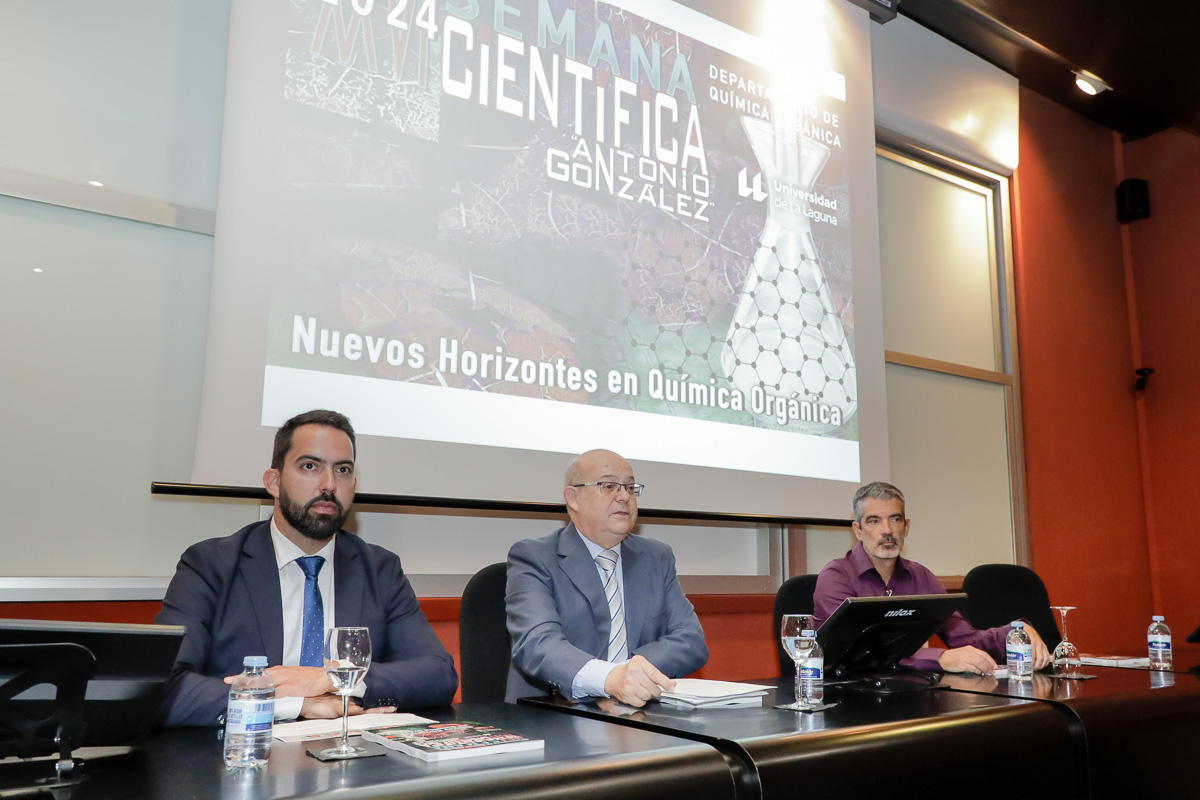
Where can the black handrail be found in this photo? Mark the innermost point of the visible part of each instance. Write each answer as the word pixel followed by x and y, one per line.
pixel 464 504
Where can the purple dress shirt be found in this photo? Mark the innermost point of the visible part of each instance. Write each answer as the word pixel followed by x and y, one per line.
pixel 855 576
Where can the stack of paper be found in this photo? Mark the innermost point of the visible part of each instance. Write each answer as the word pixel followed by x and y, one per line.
pixel 1115 661
pixel 696 693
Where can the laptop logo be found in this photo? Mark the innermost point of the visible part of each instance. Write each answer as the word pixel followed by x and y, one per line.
pixel 900 612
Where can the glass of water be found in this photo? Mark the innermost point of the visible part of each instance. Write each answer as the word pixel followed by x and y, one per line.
pixel 347 659
pixel 798 647
pixel 1066 661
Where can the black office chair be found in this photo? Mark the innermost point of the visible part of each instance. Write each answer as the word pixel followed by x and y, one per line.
pixel 999 593
pixel 38 727
pixel 484 646
pixel 795 596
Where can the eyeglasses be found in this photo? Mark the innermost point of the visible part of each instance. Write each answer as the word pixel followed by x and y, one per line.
pixel 611 487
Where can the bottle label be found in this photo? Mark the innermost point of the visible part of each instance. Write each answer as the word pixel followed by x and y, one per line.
pixel 1160 644
pixel 250 716
pixel 1018 653
pixel 813 669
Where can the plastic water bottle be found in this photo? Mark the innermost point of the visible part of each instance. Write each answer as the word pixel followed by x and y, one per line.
pixel 812 673
pixel 250 716
pixel 1159 679
pixel 1158 639
pixel 1018 652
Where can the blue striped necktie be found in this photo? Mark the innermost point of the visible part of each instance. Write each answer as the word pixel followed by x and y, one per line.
pixel 607 561
pixel 312 625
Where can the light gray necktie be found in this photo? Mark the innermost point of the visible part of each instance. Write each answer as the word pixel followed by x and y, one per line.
pixel 607 561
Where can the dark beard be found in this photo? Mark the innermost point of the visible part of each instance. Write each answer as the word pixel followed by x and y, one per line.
pixel 318 527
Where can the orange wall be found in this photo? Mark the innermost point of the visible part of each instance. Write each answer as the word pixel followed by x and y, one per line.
pixel 739 632
pixel 1167 276
pixel 132 611
pixel 1081 446
pixel 1092 536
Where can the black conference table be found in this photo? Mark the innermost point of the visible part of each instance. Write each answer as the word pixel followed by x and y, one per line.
pixel 1129 733
pixel 1141 727
pixel 870 746
pixel 583 759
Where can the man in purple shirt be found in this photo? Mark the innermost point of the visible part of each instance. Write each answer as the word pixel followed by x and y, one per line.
pixel 874 568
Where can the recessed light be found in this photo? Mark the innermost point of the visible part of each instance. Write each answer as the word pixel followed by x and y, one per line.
pixel 37 269
pixel 95 183
pixel 1089 83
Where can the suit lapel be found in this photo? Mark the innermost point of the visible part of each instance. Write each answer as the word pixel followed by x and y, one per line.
pixel 635 571
pixel 347 592
pixel 260 571
pixel 579 568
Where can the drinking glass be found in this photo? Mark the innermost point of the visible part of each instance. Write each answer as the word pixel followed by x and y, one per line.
pixel 798 647
pixel 347 659
pixel 1066 656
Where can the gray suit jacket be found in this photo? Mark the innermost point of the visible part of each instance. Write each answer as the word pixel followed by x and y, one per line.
pixel 558 617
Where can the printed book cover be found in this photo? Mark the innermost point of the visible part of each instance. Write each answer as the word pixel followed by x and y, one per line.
pixel 437 741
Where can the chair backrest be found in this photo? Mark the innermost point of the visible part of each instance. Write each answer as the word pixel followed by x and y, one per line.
pixel 795 596
pixel 30 728
pixel 483 636
pixel 999 593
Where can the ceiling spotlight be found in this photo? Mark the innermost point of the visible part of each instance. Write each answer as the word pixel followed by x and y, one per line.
pixel 1089 83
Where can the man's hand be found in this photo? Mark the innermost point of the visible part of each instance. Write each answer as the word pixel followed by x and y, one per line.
pixel 329 706
pixel 967 659
pixel 636 681
pixel 1041 655
pixel 298 681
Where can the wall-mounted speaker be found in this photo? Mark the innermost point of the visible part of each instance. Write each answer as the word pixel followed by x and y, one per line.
pixel 1133 200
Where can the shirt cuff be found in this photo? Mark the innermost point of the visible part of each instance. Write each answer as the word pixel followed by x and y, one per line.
pixel 288 708
pixel 589 681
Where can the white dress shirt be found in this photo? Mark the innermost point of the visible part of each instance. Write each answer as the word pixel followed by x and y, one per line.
pixel 291 587
pixel 589 681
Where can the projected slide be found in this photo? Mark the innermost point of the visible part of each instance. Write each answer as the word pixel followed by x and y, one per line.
pixel 500 222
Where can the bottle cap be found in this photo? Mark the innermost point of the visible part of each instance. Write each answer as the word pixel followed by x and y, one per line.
pixel 1018 624
pixel 1157 618
pixel 254 661
pixel 808 633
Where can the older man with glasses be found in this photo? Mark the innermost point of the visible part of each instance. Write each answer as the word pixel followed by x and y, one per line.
pixel 593 611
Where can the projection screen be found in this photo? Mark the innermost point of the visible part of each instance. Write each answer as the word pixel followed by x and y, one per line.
pixel 496 234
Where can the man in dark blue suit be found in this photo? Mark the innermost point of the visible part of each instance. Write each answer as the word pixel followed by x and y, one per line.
pixel 593 611
pixel 261 592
